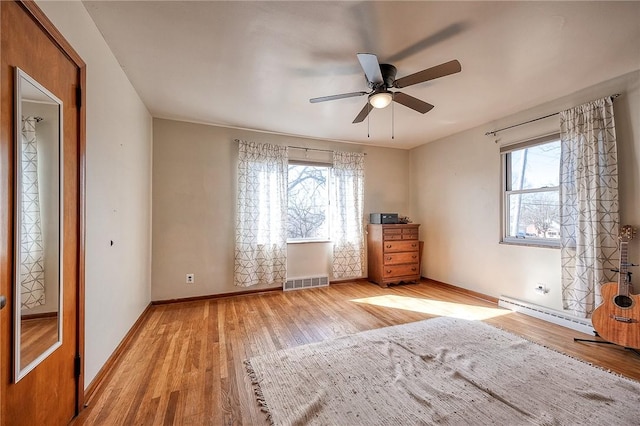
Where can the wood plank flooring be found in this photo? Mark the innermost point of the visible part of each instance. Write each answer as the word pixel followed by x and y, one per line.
pixel 36 336
pixel 185 365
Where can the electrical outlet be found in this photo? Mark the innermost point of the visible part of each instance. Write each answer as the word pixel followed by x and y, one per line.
pixel 191 278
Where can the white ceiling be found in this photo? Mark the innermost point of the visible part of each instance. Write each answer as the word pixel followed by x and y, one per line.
pixel 255 65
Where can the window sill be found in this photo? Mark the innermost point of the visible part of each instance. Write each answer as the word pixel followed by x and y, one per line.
pixel 323 241
pixel 530 244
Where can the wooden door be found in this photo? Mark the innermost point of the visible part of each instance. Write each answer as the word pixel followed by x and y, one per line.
pixel 52 393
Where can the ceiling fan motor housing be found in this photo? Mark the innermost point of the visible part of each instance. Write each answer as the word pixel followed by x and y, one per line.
pixel 388 74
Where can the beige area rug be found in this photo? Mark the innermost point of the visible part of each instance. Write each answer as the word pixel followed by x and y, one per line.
pixel 438 371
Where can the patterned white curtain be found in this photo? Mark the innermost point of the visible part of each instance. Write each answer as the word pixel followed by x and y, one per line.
pixel 261 231
pixel 589 204
pixel 31 246
pixel 347 205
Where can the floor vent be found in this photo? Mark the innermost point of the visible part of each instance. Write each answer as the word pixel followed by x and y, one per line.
pixel 579 324
pixel 300 283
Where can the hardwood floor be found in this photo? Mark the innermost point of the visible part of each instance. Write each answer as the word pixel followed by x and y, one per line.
pixel 185 365
pixel 36 336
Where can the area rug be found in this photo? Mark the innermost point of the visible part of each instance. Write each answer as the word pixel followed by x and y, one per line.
pixel 438 371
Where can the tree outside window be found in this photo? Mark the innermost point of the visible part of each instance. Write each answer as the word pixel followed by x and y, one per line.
pixel 308 202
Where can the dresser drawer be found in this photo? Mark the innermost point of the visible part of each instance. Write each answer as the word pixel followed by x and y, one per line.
pixel 392 234
pixel 410 234
pixel 392 271
pixel 396 246
pixel 399 258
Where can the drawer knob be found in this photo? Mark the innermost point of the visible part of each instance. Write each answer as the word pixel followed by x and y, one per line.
pixel 414 245
pixel 414 256
pixel 413 269
pixel 389 258
pixel 388 245
pixel 388 271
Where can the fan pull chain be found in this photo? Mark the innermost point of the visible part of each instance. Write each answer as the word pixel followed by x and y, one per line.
pixel 393 120
pixel 368 115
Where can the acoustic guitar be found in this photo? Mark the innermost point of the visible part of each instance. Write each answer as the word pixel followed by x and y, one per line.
pixel 617 320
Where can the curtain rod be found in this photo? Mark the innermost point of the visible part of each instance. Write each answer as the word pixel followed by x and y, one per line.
pixel 306 149
pixel 310 149
pixel 495 132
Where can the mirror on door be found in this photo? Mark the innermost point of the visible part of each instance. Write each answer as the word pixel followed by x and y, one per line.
pixel 38 224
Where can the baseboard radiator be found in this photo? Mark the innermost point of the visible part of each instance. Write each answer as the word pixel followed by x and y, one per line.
pixel 301 283
pixel 579 324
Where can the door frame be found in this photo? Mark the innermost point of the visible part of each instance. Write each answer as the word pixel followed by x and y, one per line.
pixel 42 21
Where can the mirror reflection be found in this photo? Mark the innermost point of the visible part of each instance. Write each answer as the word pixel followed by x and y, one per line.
pixel 38 239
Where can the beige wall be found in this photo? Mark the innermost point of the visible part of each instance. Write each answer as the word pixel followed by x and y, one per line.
pixel 118 198
pixel 194 187
pixel 455 194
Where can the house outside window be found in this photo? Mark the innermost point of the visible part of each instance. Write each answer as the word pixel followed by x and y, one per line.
pixel 308 202
pixel 530 187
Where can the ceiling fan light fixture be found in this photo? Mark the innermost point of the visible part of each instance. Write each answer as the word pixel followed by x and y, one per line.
pixel 380 99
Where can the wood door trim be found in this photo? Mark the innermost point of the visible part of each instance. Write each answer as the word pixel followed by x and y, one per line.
pixel 54 34
pixel 32 9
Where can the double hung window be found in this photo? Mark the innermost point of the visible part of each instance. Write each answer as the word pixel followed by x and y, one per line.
pixel 531 206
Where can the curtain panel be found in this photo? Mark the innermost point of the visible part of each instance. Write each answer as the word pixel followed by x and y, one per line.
pixel 32 245
pixel 347 205
pixel 261 227
pixel 589 204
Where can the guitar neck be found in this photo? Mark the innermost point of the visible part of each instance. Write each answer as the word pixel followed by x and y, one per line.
pixel 624 283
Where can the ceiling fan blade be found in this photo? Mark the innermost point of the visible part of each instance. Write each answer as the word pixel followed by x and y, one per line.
pixel 438 71
pixel 334 97
pixel 363 113
pixel 431 40
pixel 411 102
pixel 371 67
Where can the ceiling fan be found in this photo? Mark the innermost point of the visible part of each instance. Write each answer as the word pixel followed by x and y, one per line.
pixel 382 77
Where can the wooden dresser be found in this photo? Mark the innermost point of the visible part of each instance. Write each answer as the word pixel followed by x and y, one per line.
pixel 393 253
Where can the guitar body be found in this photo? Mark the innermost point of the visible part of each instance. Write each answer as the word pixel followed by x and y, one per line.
pixel 618 324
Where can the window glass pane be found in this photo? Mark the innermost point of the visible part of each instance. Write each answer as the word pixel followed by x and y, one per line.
pixel 535 167
pixel 534 215
pixel 308 200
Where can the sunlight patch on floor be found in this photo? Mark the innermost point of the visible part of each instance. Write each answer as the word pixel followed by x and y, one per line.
pixel 434 307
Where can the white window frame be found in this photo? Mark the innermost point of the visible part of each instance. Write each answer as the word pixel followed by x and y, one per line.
pixel 506 191
pixel 329 168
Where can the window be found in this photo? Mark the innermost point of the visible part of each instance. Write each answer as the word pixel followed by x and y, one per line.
pixel 308 202
pixel 531 202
